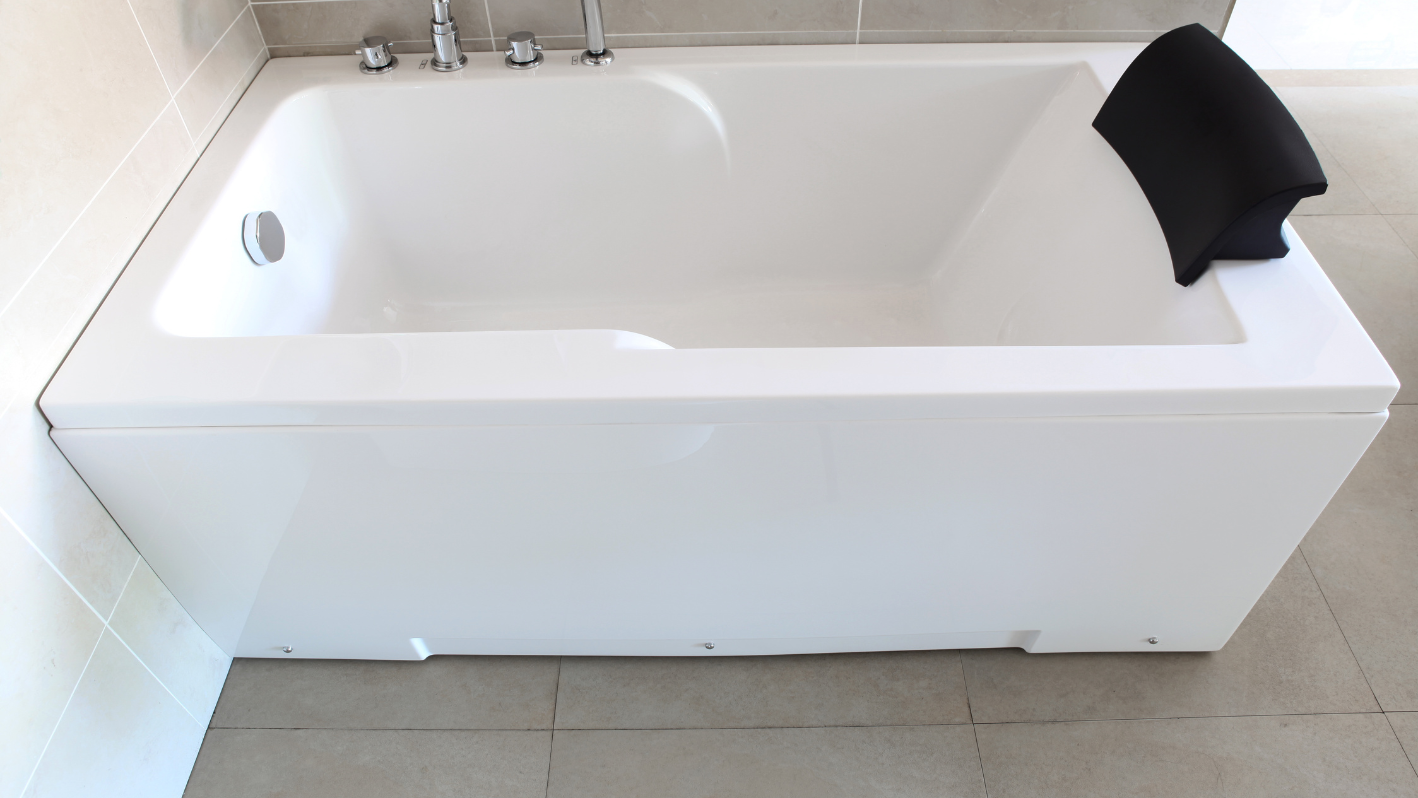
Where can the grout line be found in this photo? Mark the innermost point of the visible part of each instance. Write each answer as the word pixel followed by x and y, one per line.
pixel 67 701
pixel 243 89
pixel 151 52
pixel 1413 251
pixel 980 758
pixel 172 95
pixel 97 614
pixel 858 39
pixel 828 725
pixel 491 32
pixel 1412 762
pixel 551 745
pixel 1339 626
pixel 218 44
pixel 257 22
pixel 126 582
pixel 82 211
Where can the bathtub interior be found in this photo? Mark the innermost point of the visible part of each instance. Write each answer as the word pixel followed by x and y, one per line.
pixel 707 207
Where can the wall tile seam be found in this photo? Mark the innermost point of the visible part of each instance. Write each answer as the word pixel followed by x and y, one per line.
pixel 73 691
pixel 217 118
pixel 67 230
pixel 106 627
pixel 245 10
pixel 156 64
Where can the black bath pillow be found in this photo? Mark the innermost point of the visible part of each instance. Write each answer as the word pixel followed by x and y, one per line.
pixel 1218 156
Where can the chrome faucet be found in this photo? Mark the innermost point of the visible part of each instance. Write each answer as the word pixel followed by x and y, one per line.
pixel 596 53
pixel 447 44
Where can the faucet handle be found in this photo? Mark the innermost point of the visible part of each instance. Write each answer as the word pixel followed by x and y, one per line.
pixel 377 57
pixel 523 51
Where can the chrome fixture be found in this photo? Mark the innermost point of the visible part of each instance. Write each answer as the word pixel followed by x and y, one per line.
pixel 447 44
pixel 377 58
pixel 709 646
pixel 1154 641
pixel 523 52
pixel 596 53
pixel 287 649
pixel 264 237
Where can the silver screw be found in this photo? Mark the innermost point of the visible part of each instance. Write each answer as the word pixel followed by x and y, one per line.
pixel 1152 640
pixel 287 649
pixel 709 646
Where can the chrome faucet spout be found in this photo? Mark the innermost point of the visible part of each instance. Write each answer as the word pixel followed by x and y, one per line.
pixel 596 53
pixel 447 44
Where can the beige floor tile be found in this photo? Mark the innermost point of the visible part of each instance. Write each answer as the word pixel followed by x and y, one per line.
pixel 330 763
pixel 1287 657
pixel 437 693
pixel 1407 229
pixel 1294 756
pixel 1378 276
pixel 891 689
pixel 1364 552
pixel 1405 726
pixel 1370 130
pixel 1343 195
pixel 899 761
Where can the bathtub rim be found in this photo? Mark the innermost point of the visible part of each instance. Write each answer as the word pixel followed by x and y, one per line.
pixel 125 372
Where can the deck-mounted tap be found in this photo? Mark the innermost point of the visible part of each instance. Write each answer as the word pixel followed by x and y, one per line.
pixel 596 53
pixel 447 44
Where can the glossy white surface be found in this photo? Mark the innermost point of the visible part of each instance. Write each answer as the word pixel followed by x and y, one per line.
pixel 791 349
pixel 905 231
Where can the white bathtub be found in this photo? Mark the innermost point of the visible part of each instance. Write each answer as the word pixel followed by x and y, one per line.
pixel 780 349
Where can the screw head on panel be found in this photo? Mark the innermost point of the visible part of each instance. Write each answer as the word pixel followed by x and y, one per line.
pixel 709 646
pixel 287 649
pixel 1154 641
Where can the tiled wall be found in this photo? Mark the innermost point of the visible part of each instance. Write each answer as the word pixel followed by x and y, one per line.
pixel 106 684
pixel 331 27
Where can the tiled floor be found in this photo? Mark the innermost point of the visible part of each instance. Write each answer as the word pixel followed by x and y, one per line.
pixel 1316 695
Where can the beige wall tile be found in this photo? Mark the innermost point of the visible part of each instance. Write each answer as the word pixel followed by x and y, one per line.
pixel 49 635
pixel 204 137
pixel 37 486
pixel 1287 657
pixel 122 735
pixel 1050 15
pixel 170 643
pixel 228 64
pixel 1318 756
pixel 953 36
pixel 562 18
pixel 753 38
pixel 40 323
pixel 348 21
pixel 1370 131
pixel 66 126
pixel 1377 274
pixel 46 499
pixel 182 32
pixel 898 688
pixel 437 693
pixel 411 47
pixel 896 761
pixel 1364 552
pixel 333 763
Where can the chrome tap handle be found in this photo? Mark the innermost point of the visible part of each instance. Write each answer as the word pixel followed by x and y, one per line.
pixel 377 57
pixel 523 51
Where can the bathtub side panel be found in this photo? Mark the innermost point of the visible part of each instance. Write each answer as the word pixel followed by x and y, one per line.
pixel 1076 534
